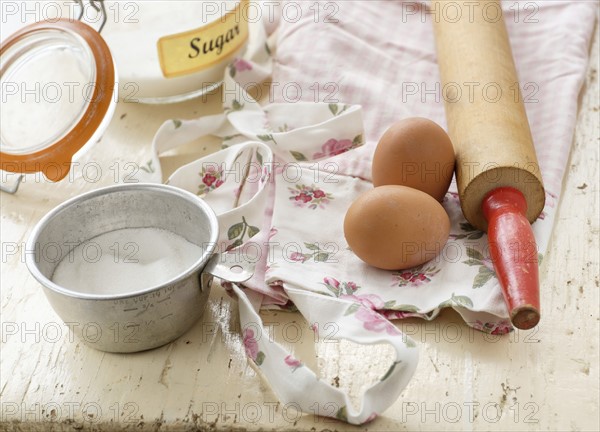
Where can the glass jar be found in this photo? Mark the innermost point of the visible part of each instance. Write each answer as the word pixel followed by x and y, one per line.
pixel 168 51
pixel 59 76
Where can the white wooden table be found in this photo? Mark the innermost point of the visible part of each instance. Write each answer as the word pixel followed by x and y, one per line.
pixel 546 379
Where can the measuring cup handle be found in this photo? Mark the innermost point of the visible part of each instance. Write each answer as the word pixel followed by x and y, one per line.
pixel 229 267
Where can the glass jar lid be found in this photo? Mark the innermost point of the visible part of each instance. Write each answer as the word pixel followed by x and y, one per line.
pixel 58 91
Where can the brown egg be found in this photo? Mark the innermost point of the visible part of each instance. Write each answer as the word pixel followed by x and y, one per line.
pixel 396 227
pixel 417 153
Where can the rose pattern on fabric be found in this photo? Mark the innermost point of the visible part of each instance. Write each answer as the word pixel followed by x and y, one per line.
pixel 298 257
pixel 304 144
pixel 239 65
pixel 309 196
pixel 251 347
pixel 372 320
pixel 339 110
pixel 375 322
pixel 333 147
pixel 292 362
pixel 210 179
pixel 371 301
pixel 397 314
pixel 315 253
pixel 497 328
pixel 416 276
pixel 347 291
pixel 338 288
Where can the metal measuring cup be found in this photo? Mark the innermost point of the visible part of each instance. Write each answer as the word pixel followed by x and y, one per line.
pixel 140 319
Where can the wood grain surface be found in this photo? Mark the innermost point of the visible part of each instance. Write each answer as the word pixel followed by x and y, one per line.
pixel 491 138
pixel 545 379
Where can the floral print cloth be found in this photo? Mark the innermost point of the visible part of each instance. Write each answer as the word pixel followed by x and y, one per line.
pixel 281 187
pixel 277 207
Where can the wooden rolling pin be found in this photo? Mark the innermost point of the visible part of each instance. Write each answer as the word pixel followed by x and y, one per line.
pixel 499 181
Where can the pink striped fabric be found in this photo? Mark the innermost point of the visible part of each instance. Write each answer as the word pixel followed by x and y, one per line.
pixel 381 54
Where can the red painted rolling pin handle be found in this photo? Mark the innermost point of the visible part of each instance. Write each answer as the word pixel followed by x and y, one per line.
pixel 514 253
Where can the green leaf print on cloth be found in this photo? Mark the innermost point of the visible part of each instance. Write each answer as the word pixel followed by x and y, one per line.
pixel 486 267
pixel 238 232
